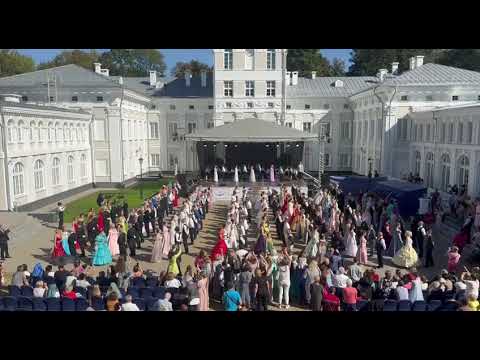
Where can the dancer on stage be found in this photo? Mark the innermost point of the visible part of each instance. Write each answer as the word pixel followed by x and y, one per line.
pixel 215 174
pixel 272 173
pixel 252 175
pixel 235 177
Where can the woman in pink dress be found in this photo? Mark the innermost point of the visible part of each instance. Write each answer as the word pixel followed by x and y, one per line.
pixel 453 259
pixel 157 248
pixel 167 244
pixel 363 254
pixel 113 240
pixel 203 292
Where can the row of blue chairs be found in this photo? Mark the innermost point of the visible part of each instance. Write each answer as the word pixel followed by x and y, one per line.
pixel 405 305
pixel 23 303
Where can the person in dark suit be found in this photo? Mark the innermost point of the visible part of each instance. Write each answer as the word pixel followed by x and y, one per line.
pixel 421 235
pixel 146 221
pixel 100 199
pixel 4 231
pixel 81 237
pixel 71 244
pixel 429 247
pixel 122 242
pixel 125 209
pixel 132 240
pixel 139 226
pixel 316 291
pixel 380 246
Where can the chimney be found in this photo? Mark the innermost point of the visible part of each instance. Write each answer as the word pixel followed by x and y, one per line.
pixel 203 77
pixel 120 80
pixel 98 68
pixel 395 68
pixel 294 77
pixel 412 63
pixel 381 74
pixel 288 78
pixel 153 78
pixel 418 61
pixel 188 76
pixel 314 74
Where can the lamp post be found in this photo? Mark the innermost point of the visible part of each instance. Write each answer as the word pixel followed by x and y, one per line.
pixel 140 160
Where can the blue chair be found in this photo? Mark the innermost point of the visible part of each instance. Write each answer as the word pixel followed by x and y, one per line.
pixel 138 282
pixel 390 305
pixel 419 306
pixel 68 304
pixel 363 305
pixel 53 304
pixel 39 304
pixel 98 304
pixel 434 305
pixel 159 292
pixel 24 303
pixel 149 303
pixel 404 305
pixel 140 303
pixel 10 303
pixel 27 291
pixel 81 290
pixel 146 292
pixel 152 281
pixel 81 304
pixel 2 306
pixel 134 291
pixel 123 292
pixel 14 290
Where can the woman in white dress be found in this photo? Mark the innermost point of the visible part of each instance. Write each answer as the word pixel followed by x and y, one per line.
pixel 252 175
pixel 215 174
pixel 351 247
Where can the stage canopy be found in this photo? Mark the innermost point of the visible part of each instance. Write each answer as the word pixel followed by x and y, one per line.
pixel 252 130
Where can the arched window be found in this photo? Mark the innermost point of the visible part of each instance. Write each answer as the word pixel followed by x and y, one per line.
pixel 429 166
pixel 31 130
pixel 58 132
pixel 70 172
pixel 18 188
pixel 418 159
pixel 463 170
pixel 38 175
pixel 83 166
pixel 51 132
pixel 11 132
pixel 56 171
pixel 40 130
pixel 66 131
pixel 445 172
pixel 20 128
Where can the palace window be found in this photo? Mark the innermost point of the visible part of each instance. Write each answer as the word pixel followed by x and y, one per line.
pixel 249 58
pixel 250 105
pixel 155 159
pixel 228 59
pixel 307 107
pixel 270 59
pixel 418 160
pixel 307 127
pixel 18 186
pixel 249 88
pixel 56 171
pixel 271 88
pixel 288 124
pixel 11 131
pixel 469 132
pixel 463 170
pixel 172 107
pixel 460 133
pixel 20 132
pixel 191 107
pixel 429 169
pixel 429 98
pixel 24 98
pixel 289 107
pixel 270 105
pixel 191 128
pixel 83 166
pixel 210 107
pixel 445 172
pixel 228 105
pixel 99 98
pixel 154 130
pixel 450 133
pixel 74 98
pixel 228 88
pixel 70 170
pixel 31 130
pixel 38 175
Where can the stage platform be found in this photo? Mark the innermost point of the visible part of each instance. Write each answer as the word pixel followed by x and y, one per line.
pixel 222 191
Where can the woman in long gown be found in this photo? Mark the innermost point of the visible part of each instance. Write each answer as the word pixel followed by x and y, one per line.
pixel 58 247
pixel 157 253
pixel 351 247
pixel 100 221
pixel 363 253
pixel 406 256
pixel 175 197
pixel 166 245
pixel 203 292
pixel 102 254
pixel 113 240
pixel 252 175
pixel 396 242
pixel 220 248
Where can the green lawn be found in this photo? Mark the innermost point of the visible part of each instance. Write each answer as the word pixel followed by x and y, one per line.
pixel 132 195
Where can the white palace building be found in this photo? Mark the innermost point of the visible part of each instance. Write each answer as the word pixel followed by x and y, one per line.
pixel 67 128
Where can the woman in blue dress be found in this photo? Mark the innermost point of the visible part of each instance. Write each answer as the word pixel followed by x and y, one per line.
pixel 102 254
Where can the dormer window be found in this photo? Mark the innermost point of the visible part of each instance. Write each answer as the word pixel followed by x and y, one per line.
pixel 455 98
pixel 338 83
pixel 404 98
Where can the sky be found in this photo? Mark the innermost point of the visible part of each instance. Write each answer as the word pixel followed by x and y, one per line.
pixel 174 55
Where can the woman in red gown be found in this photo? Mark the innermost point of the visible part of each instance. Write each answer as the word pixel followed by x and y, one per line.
pixel 100 221
pixel 175 197
pixel 221 246
pixel 58 248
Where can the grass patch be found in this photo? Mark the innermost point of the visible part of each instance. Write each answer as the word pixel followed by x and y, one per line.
pixel 131 195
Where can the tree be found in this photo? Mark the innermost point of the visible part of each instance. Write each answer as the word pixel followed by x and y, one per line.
pixel 194 66
pixel 462 58
pixel 367 62
pixel 307 60
pixel 13 63
pixel 337 67
pixel 133 62
pixel 78 57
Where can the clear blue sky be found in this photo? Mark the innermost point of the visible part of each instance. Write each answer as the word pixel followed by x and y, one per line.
pixel 174 55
